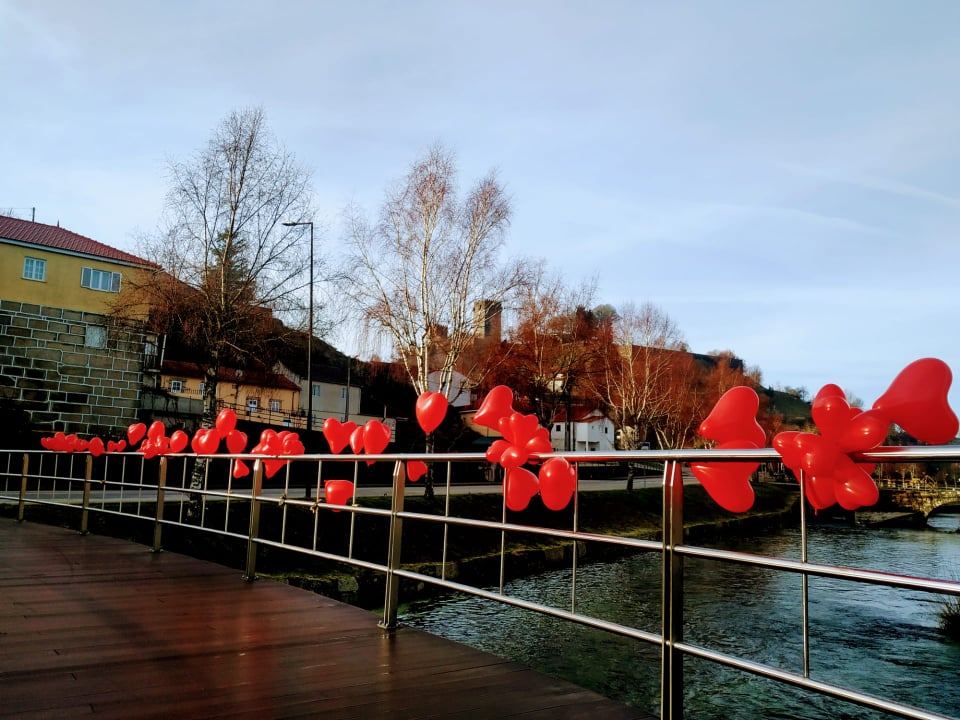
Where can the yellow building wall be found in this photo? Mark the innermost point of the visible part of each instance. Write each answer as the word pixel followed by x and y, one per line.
pixel 238 396
pixel 61 286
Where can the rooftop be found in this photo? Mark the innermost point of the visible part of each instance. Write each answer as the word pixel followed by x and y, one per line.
pixel 58 238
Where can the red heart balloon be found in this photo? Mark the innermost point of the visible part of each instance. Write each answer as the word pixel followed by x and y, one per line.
pixel 853 487
pixel 376 435
pixel 513 457
pixel 518 428
pixel 197 437
pixel 917 401
pixel 148 449
pixel 519 486
pixel 236 441
pixel 728 483
pixel 47 443
pixel 136 432
pixel 497 404
pixel 209 442
pixel 558 479
pixel 121 445
pixel 178 441
pixel 830 411
pixel 734 417
pixel 540 442
pixel 226 421
pixel 96 447
pixel 416 469
pixel 155 431
pixel 496 450
pixel 292 444
pixel 431 409
pixel 338 434
pixel 356 440
pixel 337 492
pixel 785 444
pixel 865 430
pixel 240 469
pixel 820 491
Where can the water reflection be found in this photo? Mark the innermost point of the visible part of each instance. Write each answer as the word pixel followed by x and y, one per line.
pixel 878 640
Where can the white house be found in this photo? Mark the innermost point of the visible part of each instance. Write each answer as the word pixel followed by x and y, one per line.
pixel 589 431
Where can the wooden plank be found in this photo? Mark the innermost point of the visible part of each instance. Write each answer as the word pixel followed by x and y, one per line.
pixel 95 625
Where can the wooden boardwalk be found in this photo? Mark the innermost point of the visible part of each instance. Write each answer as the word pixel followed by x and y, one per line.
pixel 94 626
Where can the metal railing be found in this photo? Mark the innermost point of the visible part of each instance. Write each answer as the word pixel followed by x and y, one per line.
pixel 204 493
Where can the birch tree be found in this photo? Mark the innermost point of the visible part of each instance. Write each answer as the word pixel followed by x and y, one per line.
pixel 417 271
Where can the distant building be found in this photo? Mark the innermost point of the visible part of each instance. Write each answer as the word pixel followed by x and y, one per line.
pixel 589 430
pixel 65 359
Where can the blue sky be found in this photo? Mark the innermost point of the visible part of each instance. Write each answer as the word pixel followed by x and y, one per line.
pixel 780 178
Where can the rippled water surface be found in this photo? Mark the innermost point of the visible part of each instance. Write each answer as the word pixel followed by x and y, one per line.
pixel 874 639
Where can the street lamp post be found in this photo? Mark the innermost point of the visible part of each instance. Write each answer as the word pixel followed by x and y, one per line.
pixel 310 334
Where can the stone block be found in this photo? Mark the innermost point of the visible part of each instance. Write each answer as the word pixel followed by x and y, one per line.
pixel 73 370
pixel 51 312
pixel 30 309
pixel 75 358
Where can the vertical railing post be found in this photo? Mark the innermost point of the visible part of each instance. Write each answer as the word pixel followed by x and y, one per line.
pixel 392 593
pixel 23 487
pixel 251 573
pixel 85 513
pixel 161 496
pixel 671 664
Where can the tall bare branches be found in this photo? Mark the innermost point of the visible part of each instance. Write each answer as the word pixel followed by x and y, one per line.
pixel 417 271
pixel 227 262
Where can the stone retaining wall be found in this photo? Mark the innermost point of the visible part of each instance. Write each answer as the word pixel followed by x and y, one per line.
pixel 72 371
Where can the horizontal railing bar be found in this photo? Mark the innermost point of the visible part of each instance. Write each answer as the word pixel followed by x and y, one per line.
pixel 549 532
pixel 323 555
pixel 593 622
pixel 837 691
pixel 841 572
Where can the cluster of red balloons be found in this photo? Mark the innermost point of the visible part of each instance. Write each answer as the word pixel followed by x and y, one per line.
pixel 733 425
pixel 524 439
pixel 916 401
pixel 59 442
pixel 370 438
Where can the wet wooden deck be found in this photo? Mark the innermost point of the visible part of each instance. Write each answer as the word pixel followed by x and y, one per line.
pixel 94 626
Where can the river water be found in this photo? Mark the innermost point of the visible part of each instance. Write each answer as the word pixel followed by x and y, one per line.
pixel 877 640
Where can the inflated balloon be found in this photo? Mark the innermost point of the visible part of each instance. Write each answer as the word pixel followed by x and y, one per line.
pixel 513 457
pixel 431 409
pixel 728 483
pixel 179 441
pixel 539 442
pixel 225 422
pixel 496 450
pixel 785 444
pixel 149 449
pixel 209 442
pixel 865 430
pixel 356 440
pixel 46 443
pixel 121 445
pixel 830 411
pixel 820 491
pixel 518 428
pixel 155 431
pixel 96 447
pixel 917 401
pixel 416 469
pixel 558 480
pixel 236 441
pixel 376 436
pixel 734 417
pixel 497 404
pixel 292 445
pixel 337 492
pixel 519 486
pixel 240 469
pixel 136 432
pixel 338 434
pixel 853 486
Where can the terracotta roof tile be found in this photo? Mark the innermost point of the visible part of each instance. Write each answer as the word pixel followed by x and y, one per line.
pixel 53 236
pixel 256 377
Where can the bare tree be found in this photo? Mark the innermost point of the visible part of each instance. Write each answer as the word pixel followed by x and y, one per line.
pixel 227 264
pixel 416 273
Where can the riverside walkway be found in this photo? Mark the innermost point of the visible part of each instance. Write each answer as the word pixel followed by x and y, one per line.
pixel 95 626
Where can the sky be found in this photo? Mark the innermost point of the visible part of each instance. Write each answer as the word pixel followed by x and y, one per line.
pixel 782 179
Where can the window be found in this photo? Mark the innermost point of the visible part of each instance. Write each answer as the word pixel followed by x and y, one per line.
pixel 252 405
pixel 274 406
pixel 34 269
pixel 176 386
pixel 316 390
pixel 100 280
pixel 95 337
pixel 201 388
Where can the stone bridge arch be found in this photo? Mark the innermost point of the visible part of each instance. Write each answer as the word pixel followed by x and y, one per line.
pixel 924 500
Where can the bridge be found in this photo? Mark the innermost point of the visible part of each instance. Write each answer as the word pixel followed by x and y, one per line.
pixel 926 499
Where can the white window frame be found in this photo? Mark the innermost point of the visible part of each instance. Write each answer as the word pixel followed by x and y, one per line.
pixel 253 405
pixel 176 386
pixel 275 405
pixel 34 269
pixel 102 280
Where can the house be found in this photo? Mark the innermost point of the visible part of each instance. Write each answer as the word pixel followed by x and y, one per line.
pixel 67 360
pixel 588 430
